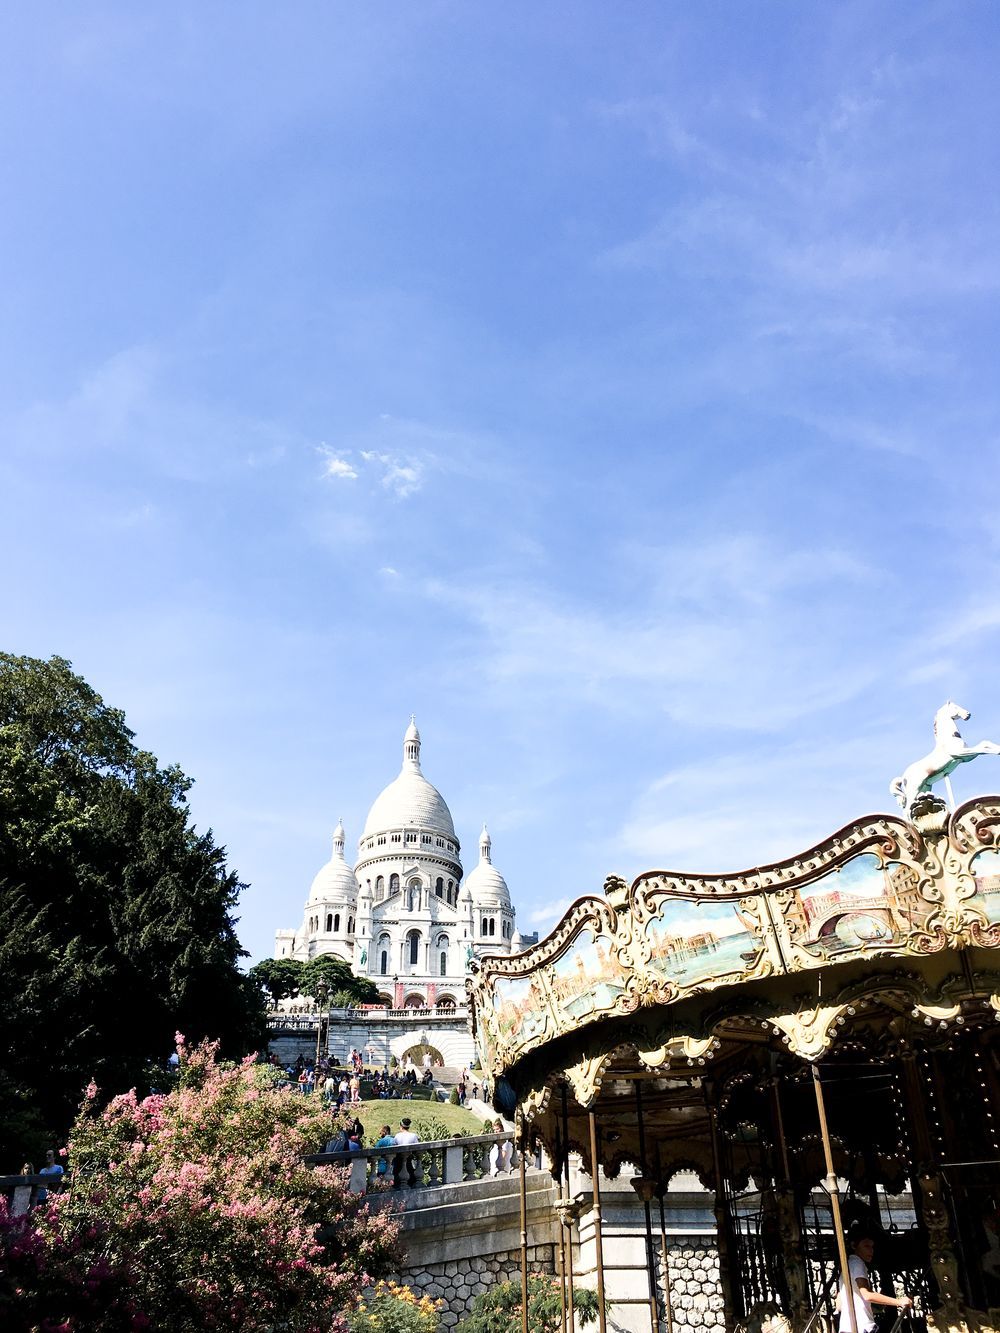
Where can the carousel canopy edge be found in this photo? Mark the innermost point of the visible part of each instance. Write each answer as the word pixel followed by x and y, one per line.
pixel 882 888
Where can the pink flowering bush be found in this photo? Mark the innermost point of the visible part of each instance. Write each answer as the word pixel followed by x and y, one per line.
pixel 193 1210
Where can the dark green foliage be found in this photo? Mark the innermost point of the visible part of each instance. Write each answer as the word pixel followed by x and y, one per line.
pixel 116 916
pixel 281 978
pixel 498 1310
pixel 336 977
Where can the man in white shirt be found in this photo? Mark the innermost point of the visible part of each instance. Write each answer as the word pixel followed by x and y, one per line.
pixel 53 1169
pixel 403 1139
pixel 863 1247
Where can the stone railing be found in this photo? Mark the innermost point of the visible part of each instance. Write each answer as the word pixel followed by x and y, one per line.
pixel 423 1165
pixel 277 1019
pixel 21 1192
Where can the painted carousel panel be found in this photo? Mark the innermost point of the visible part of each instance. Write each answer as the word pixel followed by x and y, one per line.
pixel 862 906
pixel 588 978
pixel 695 943
pixel 986 869
pixel 520 1008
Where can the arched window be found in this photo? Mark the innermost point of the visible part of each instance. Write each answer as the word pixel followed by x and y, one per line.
pixel 413 946
pixel 336 923
pixel 379 888
pixel 384 963
pixel 350 925
pixel 329 922
pixel 483 931
pixel 439 887
pixel 393 883
pixel 444 962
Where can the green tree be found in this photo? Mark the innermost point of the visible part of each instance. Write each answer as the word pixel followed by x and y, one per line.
pixel 116 914
pixel 498 1310
pixel 333 974
pixel 281 978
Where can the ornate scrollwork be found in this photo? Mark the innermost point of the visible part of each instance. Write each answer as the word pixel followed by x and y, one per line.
pixel 586 1076
pixel 636 951
pixel 809 1032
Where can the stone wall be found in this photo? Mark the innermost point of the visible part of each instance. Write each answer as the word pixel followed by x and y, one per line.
pixel 695 1285
pixel 461 1239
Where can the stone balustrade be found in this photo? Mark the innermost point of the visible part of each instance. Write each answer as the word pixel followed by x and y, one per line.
pixel 21 1192
pixel 277 1018
pixel 434 1163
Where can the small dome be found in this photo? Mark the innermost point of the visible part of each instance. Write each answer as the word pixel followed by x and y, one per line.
pixel 336 878
pixel 410 801
pixel 485 883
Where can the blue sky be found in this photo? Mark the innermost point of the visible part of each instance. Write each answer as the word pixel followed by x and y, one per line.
pixel 614 386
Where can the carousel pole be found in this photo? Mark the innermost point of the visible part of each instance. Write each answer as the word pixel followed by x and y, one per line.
pixel 722 1221
pixel 566 1216
pixel 654 1312
pixel 562 1235
pixel 833 1190
pixel 595 1169
pixel 523 1174
pixel 668 1312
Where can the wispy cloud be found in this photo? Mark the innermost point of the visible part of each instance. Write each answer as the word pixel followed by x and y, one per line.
pixel 546 916
pixel 337 466
pixel 714 637
pixel 402 476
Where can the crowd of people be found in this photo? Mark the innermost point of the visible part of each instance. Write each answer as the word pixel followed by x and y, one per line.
pixel 340 1086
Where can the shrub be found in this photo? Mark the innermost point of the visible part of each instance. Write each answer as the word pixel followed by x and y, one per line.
pixel 194 1210
pixel 388 1308
pixel 498 1310
pixel 453 1098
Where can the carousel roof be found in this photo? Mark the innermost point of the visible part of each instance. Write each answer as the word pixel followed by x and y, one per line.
pixel 879 940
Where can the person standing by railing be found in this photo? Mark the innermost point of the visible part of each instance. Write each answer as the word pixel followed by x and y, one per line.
pixel 404 1139
pixel 385 1140
pixel 53 1169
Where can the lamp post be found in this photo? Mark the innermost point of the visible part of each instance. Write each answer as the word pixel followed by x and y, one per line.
pixel 321 996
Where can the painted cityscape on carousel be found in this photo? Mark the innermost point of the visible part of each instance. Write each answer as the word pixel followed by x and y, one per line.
pixel 695 942
pixel 861 904
pixel 986 868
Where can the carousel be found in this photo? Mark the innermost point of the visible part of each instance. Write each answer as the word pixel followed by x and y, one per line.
pixel 817 1039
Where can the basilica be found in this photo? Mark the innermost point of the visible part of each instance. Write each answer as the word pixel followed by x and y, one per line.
pixel 404 916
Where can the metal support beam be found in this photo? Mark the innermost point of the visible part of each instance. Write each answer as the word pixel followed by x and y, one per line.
pixel 833 1189
pixel 595 1171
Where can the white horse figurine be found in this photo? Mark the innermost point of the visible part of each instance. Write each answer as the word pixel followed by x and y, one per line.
pixel 949 751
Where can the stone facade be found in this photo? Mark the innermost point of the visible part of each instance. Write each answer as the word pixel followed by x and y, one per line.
pixel 403 916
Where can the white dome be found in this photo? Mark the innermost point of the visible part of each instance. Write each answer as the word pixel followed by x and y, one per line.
pixel 485 883
pixel 336 878
pixel 410 801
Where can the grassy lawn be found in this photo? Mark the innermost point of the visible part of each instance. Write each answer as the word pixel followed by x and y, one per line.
pixel 456 1120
